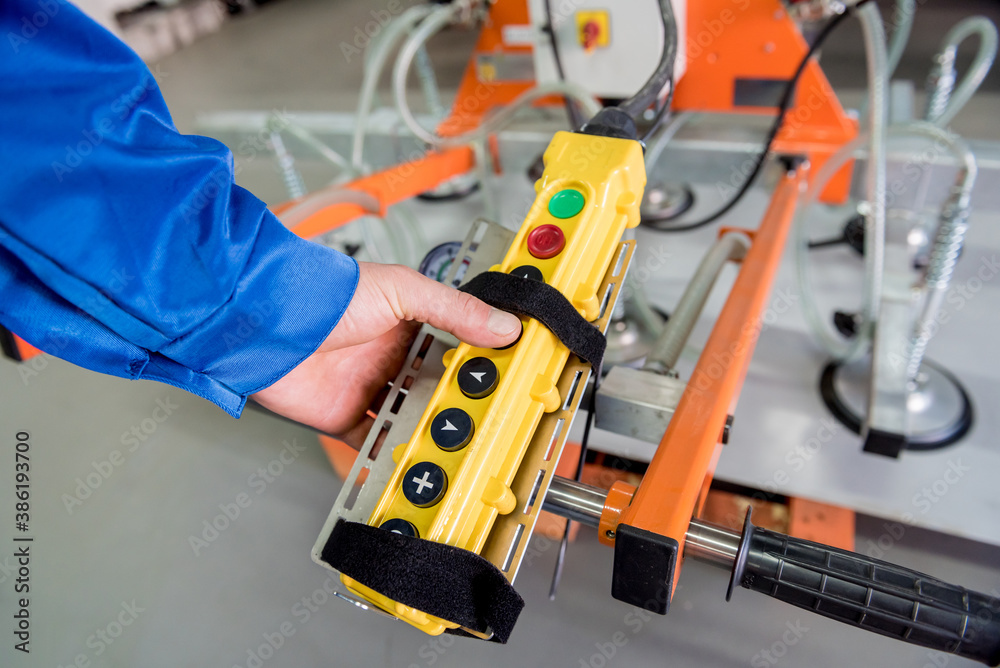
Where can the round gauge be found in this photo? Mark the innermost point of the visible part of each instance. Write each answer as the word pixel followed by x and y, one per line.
pixel 438 261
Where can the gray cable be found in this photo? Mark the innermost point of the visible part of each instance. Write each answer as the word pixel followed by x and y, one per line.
pixel 942 104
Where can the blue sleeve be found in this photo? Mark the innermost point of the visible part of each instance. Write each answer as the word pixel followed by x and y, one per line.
pixel 125 246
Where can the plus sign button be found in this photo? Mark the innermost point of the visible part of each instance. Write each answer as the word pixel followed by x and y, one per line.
pixel 478 377
pixel 424 484
pixel 452 429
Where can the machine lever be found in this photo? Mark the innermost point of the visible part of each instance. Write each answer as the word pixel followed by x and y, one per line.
pixel 873 595
pixel 867 593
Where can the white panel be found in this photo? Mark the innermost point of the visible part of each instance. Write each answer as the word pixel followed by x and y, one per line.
pixel 619 69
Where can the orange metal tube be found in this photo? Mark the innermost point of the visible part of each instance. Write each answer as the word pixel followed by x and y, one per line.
pixel 670 491
pixel 389 186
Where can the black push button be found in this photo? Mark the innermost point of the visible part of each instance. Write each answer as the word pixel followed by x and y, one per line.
pixel 452 429
pixel 529 271
pixel 478 377
pixel 399 526
pixel 514 342
pixel 424 484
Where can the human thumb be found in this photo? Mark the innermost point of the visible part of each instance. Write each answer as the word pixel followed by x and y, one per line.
pixel 468 318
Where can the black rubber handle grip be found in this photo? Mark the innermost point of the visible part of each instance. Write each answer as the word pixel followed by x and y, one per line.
pixel 871 594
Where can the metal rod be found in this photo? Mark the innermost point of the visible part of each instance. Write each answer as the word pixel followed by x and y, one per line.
pixel 712 544
pixel 584 504
pixel 663 357
pixel 575 500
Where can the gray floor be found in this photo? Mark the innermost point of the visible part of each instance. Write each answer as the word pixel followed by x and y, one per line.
pixel 128 543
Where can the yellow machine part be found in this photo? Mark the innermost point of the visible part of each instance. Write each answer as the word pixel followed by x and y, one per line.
pixel 590 191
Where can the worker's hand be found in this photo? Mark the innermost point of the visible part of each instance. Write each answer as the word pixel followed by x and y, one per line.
pixel 333 388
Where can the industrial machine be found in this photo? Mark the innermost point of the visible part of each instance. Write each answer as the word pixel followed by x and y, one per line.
pixel 437 510
pixel 447 489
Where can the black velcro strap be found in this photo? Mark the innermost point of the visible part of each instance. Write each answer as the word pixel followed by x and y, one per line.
pixel 541 301
pixel 441 580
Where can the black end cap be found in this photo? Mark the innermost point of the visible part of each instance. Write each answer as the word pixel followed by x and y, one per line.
pixel 846 323
pixel 611 122
pixel 791 162
pixel 854 233
pixel 536 168
pixel 8 345
pixel 885 443
pixel 644 568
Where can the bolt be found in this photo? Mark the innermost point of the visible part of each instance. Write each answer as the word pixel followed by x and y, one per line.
pixel 610 533
pixel 726 429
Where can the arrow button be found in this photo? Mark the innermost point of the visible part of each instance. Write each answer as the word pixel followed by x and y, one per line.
pixel 478 377
pixel 452 429
pixel 402 527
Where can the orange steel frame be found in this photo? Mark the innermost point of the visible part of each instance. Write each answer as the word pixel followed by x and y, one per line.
pixel 729 41
pixel 675 485
pixel 480 92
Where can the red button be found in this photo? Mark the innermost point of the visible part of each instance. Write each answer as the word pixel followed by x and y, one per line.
pixel 591 31
pixel 546 241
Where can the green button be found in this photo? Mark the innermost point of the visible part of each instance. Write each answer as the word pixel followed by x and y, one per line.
pixel 566 203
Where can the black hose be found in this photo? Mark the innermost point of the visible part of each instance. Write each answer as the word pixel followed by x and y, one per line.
pixel 786 102
pixel 664 72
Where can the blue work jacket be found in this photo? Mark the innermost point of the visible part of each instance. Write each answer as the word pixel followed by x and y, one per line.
pixel 125 246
